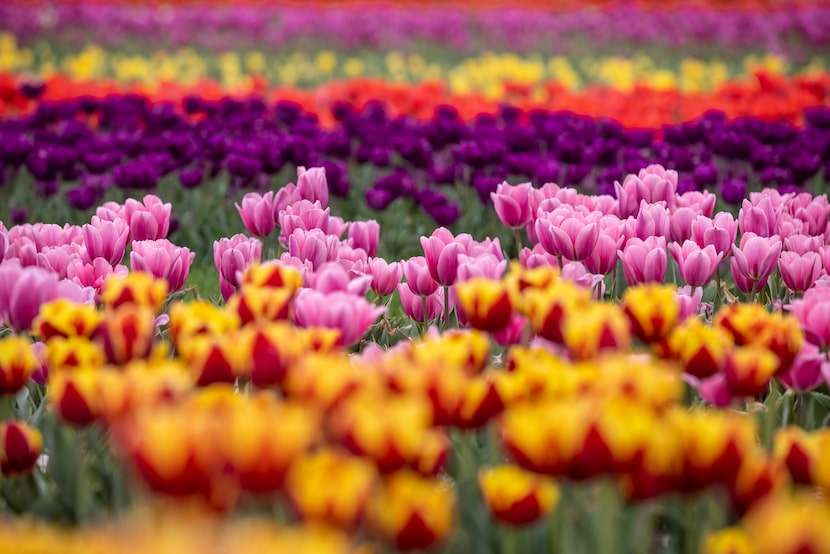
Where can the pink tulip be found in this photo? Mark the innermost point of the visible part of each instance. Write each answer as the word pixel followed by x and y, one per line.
pixel 720 232
pixel 110 211
pixel 753 262
pixel 226 289
pixel 51 234
pixel 24 250
pixel 26 290
pixel 680 224
pixel 312 185
pixel 232 256
pixel 513 333
pixel 313 246
pixel 284 197
pixel 349 314
pixel 348 256
pixel 702 203
pixel 257 213
pixel 759 216
pixel 801 244
pixel 689 300
pixel 484 265
pixel 332 277
pixel 603 258
pixel 644 261
pixel 413 303
pixel 385 276
pixel 697 265
pixel 653 184
pixel 441 251
pixel 813 313
pixel 805 372
pixel 365 235
pixel 106 239
pixel 577 273
pixel 799 271
pixel 162 259
pixel 814 212
pixel 303 215
pixel 56 258
pixel 149 219
pixel 512 204
pixel 531 258
pixel 652 221
pixel 94 273
pixel 418 277
pixel 715 391
pixel 568 233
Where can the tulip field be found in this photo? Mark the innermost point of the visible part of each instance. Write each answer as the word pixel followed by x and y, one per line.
pixel 349 276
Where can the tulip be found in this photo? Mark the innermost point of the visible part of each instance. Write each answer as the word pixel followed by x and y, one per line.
pixel 653 220
pixel 752 324
pixel 759 216
pixel 652 184
pixel 324 380
pixel 414 304
pixel 719 232
pixel 433 455
pixel 365 235
pixel 805 372
pixel 412 512
pixel 127 332
pixel 163 260
pixel 480 402
pixel 148 219
pixel 75 395
pixel 549 309
pixel 441 251
pixel 653 311
pixel 418 278
pixel 333 277
pixel 260 452
pixel 275 348
pixel 20 447
pixel 200 317
pixel 680 224
pixel 261 304
pixel 73 352
pixel 257 213
pixel 812 312
pixel 106 239
pixel 304 215
pixel 701 350
pixel 484 303
pixel 24 291
pixel 689 300
pixel 748 370
pixel 569 234
pixel 517 497
pixel 603 258
pixel 314 247
pixel 17 363
pixel 697 265
pixel 232 256
pixel 331 487
pixel 798 525
pixel 385 276
pixel 312 185
pixel 644 261
pixel 753 261
pixel 349 314
pixel 57 258
pixel 799 272
pixel 217 359
pixel 512 204
pixel 799 451
pixel 599 327
pixel 759 478
pixel 135 288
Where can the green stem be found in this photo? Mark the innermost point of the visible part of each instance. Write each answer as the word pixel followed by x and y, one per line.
pixel 446 307
pixel 517 238
pixel 607 514
pixel 510 540
pixel 716 303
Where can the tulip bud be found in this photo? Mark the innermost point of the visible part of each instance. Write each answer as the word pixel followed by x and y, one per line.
pixel 548 309
pixel 700 349
pixel 599 327
pixel 73 352
pixel 799 451
pixel 485 303
pixel 20 446
pixel 127 332
pixel 800 525
pixel 331 487
pixel 515 496
pixel 135 288
pixel 748 370
pixel 412 512
pixel 261 304
pixel 217 359
pixel 18 362
pixel 75 396
pixel 200 317
pixel 64 318
pixel 653 311
pixel 272 274
pixel 732 540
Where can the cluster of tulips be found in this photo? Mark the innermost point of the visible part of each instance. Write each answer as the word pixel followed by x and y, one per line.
pixel 128 143
pixel 270 401
pixel 408 26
